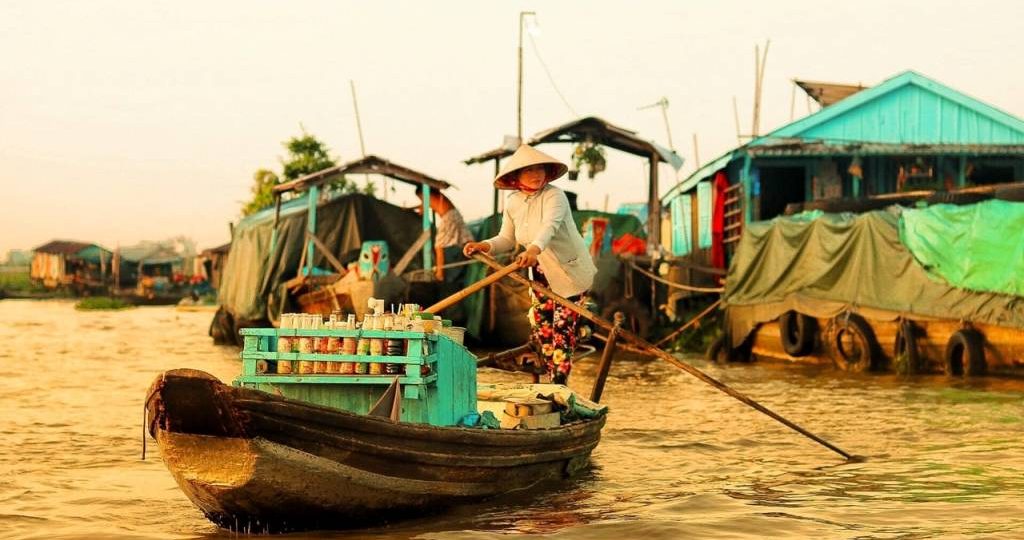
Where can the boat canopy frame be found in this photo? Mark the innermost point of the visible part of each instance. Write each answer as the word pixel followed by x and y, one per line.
pixel 599 131
pixel 370 164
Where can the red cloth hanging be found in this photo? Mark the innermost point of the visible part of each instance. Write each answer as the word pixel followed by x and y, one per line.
pixel 718 221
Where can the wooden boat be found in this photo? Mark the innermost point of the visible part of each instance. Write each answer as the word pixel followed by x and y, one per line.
pixel 253 461
pixel 263 456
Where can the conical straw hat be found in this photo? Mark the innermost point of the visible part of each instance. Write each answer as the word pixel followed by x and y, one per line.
pixel 524 157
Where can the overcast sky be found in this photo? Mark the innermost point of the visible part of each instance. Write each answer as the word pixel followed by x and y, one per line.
pixel 128 121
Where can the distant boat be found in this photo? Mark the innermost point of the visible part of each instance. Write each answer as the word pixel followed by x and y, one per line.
pixel 256 462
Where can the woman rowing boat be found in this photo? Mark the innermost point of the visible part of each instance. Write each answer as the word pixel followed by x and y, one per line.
pixel 537 217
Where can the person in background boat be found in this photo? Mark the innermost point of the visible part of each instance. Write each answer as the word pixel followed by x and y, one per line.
pixel 537 216
pixel 452 234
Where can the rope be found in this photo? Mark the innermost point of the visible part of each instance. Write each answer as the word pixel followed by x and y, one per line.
pixel 536 51
pixel 673 284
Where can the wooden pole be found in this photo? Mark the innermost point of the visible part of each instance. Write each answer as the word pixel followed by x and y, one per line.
pixel 757 89
pixel 640 342
pixel 736 117
pixel 653 206
pixel 362 145
pixel 327 253
pixel 696 152
pixel 760 86
pixel 461 295
pixel 495 358
pixel 792 102
pixel 606 359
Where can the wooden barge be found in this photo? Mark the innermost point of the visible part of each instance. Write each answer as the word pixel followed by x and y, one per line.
pixel 920 290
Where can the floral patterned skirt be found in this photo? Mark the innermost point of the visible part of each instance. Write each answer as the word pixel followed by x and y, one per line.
pixel 553 330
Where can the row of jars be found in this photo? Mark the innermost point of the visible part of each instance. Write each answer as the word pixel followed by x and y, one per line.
pixel 361 346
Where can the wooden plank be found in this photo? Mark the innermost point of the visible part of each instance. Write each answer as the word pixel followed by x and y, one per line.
pixel 327 253
pixel 334 379
pixel 410 253
pixel 360 359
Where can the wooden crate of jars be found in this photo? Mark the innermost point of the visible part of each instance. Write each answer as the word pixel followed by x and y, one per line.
pixel 350 369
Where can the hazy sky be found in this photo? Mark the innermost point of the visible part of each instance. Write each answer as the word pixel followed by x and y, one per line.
pixel 127 121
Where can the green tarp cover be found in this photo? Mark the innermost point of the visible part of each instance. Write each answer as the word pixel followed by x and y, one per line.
pixel 253 272
pixel 978 246
pixel 842 262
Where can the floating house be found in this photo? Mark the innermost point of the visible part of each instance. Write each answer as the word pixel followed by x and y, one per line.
pixel 210 264
pixel 293 255
pixel 909 134
pixel 66 263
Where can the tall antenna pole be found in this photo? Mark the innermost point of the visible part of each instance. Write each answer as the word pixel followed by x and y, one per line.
pixel 736 116
pixel 359 124
pixel 696 152
pixel 759 62
pixel 519 78
pixel 664 116
pixel 663 103
pixel 359 129
pixel 792 102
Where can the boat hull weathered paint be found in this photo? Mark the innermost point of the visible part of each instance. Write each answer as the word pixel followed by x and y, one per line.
pixel 256 462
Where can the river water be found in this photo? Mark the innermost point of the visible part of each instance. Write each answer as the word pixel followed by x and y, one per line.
pixel 676 460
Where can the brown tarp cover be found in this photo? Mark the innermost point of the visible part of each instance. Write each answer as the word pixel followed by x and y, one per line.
pixel 826 264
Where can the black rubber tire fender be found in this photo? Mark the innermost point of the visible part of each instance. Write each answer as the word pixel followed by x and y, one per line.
pixel 965 355
pixel 797 333
pixel 715 352
pixel 906 344
pixel 865 355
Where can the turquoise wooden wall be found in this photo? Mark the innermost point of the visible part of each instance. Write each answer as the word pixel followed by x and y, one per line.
pixel 681 220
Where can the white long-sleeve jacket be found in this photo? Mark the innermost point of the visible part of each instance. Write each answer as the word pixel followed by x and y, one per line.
pixel 544 219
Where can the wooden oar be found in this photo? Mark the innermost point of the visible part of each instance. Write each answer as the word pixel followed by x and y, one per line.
pixel 644 344
pixel 459 296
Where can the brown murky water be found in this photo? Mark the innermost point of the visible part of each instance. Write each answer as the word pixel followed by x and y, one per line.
pixel 677 460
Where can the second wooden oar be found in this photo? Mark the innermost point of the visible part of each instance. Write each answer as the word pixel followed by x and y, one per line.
pixel 642 343
pixel 459 296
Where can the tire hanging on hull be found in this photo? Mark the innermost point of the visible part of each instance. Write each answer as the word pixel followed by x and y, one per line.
pixel 905 353
pixel 965 355
pixel 853 344
pixel 797 332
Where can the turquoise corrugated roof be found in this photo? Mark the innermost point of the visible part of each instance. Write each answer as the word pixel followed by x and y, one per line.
pixel 906 109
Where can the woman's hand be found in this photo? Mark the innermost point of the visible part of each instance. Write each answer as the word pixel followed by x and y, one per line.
pixel 475 247
pixel 528 258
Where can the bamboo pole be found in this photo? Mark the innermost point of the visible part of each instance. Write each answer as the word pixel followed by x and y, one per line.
pixel 633 338
pixel 461 295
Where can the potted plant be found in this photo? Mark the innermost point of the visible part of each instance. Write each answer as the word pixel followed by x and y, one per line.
pixel 589 154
